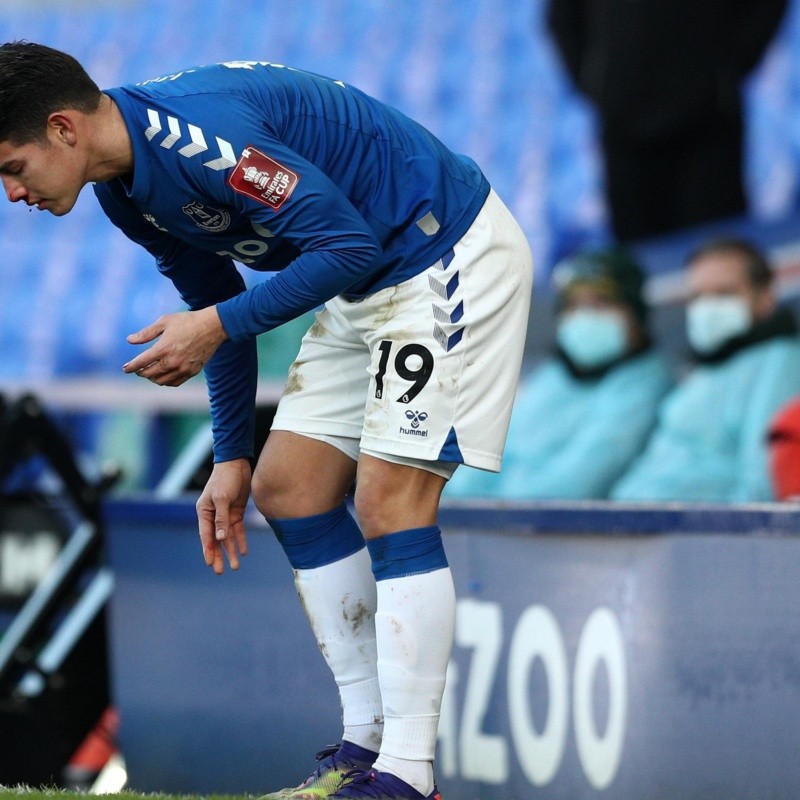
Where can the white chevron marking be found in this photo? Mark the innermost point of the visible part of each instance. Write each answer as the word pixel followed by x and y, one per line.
pixel 437 287
pixel 174 133
pixel 440 314
pixel 227 156
pixel 155 124
pixel 198 144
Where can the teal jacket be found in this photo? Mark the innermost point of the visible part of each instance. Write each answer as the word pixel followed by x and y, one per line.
pixel 572 437
pixel 710 442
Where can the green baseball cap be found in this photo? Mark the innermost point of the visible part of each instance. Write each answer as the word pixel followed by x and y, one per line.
pixel 612 269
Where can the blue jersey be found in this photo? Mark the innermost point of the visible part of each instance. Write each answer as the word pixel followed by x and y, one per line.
pixel 286 172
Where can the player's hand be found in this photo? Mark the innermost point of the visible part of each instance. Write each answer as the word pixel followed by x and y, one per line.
pixel 186 341
pixel 220 514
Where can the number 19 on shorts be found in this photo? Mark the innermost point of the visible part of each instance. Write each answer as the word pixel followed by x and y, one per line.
pixel 412 363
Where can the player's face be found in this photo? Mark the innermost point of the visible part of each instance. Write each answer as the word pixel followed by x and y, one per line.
pixel 42 174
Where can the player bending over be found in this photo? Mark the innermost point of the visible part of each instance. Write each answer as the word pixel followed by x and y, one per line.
pixel 410 369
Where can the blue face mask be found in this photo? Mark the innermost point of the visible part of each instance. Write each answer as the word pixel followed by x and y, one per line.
pixel 592 338
pixel 711 321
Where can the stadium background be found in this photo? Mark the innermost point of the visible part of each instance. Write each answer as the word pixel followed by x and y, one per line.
pixel 481 74
pixel 712 666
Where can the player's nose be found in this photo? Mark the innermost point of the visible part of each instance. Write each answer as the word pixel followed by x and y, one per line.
pixel 14 190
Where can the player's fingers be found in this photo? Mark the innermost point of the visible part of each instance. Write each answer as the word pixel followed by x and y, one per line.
pixel 145 364
pixel 161 373
pixel 208 543
pixel 212 555
pixel 238 542
pixel 209 546
pixel 229 545
pixel 221 520
pixel 205 527
pixel 148 334
pixel 241 538
pixel 173 378
pixel 219 564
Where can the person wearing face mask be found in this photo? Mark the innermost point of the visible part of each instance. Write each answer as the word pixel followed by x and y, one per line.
pixel 583 414
pixel 710 443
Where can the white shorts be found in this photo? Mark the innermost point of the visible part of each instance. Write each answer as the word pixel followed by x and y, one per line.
pixel 426 370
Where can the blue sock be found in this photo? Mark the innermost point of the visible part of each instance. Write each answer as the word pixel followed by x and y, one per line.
pixel 311 542
pixel 409 552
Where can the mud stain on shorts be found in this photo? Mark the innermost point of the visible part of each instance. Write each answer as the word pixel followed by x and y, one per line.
pixel 387 310
pixel 316 330
pixel 294 380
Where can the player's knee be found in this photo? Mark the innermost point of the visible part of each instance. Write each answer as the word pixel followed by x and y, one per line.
pixel 288 494
pixel 269 492
pixel 370 513
pixel 393 497
pixel 378 511
pixel 260 493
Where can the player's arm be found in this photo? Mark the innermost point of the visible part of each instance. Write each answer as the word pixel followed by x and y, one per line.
pixel 202 279
pixel 333 246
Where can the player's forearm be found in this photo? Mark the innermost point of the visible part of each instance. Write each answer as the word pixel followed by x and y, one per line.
pixel 313 278
pixel 232 377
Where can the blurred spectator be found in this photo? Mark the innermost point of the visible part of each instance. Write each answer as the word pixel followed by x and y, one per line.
pixel 784 451
pixel 584 414
pixel 710 443
pixel 665 77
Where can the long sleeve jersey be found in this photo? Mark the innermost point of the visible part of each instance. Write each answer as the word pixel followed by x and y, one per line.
pixel 287 172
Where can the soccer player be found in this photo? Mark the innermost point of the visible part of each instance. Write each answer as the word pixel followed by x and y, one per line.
pixel 423 278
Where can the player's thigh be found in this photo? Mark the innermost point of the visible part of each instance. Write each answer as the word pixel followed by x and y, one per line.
pixel 328 381
pixel 309 461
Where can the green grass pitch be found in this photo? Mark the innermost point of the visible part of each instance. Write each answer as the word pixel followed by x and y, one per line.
pixel 24 793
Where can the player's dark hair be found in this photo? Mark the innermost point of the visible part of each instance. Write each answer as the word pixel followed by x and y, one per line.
pixel 35 81
pixel 759 269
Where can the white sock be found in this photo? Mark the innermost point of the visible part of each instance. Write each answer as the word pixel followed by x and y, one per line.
pixel 339 600
pixel 414 629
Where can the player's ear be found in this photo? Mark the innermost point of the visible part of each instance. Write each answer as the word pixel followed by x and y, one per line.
pixel 61 124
